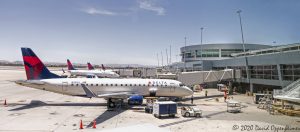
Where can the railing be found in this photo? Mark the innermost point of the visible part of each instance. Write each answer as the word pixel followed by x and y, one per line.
pixel 290 90
pixel 291 86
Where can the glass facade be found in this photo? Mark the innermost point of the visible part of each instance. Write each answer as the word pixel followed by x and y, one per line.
pixel 228 52
pixel 264 72
pixel 204 53
pixel 290 72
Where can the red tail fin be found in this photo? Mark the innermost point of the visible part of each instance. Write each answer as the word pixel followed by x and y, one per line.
pixel 103 68
pixel 70 66
pixel 90 66
pixel 34 67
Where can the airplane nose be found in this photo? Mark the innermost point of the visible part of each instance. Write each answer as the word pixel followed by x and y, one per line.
pixel 188 91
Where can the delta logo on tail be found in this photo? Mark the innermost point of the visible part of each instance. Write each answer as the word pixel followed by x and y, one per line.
pixel 90 66
pixel 103 68
pixel 34 67
pixel 70 66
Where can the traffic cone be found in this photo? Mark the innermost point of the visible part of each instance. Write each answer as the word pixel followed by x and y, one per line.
pixel 81 125
pixel 94 124
pixel 5 102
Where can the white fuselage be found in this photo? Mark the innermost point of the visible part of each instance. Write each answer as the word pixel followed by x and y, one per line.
pixel 99 73
pixel 72 86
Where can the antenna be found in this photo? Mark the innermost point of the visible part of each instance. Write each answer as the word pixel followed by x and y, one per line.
pixel 157 59
pixel 162 59
pixel 167 57
pixel 170 56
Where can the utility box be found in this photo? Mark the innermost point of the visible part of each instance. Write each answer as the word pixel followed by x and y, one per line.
pixel 165 108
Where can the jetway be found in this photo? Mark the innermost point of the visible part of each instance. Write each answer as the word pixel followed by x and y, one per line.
pixel 199 77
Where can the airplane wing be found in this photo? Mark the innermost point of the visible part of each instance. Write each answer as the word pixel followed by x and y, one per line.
pixel 90 93
pixel 116 95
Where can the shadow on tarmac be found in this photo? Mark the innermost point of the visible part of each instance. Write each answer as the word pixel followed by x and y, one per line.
pixel 203 97
pixel 191 119
pixel 37 103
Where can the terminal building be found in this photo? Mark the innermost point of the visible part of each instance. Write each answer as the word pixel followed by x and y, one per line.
pixel 269 67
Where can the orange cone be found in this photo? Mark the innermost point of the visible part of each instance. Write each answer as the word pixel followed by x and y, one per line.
pixel 81 125
pixel 5 102
pixel 94 124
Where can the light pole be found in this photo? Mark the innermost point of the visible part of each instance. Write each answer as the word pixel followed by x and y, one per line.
pixel 184 54
pixel 243 43
pixel 201 53
pixel 201 45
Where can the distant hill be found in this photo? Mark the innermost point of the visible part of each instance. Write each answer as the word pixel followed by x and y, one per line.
pixel 59 64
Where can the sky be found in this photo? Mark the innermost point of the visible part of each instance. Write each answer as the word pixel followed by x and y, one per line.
pixel 135 31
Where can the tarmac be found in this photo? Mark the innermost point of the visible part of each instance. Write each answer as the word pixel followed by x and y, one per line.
pixel 30 109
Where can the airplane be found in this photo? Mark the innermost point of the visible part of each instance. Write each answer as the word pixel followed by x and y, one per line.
pixel 90 66
pixel 111 89
pixel 98 73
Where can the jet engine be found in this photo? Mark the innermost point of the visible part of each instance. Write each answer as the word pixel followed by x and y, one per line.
pixel 135 100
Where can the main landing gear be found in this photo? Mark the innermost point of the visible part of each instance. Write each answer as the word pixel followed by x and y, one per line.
pixel 114 104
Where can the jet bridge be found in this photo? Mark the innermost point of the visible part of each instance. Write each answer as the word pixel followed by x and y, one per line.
pixel 199 77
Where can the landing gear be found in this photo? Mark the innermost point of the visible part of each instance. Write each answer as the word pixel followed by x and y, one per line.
pixel 110 104
pixel 113 104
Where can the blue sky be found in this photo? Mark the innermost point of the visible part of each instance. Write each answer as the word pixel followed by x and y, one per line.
pixel 134 31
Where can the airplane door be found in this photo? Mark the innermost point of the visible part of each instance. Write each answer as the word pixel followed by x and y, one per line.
pixel 64 86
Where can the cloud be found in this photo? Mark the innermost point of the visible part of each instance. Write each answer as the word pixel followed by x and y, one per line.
pixel 94 11
pixel 149 5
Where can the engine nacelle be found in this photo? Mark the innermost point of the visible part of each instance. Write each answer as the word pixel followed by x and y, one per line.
pixel 135 100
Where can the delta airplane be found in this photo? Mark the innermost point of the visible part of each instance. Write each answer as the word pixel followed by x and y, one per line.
pixel 39 77
pixel 98 73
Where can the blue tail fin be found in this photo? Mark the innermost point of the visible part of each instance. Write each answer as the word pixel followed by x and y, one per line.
pixel 34 67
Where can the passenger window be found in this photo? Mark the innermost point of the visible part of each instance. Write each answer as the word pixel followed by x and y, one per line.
pixel 111 85
pixel 134 84
pixel 87 84
pixel 125 84
pixel 139 84
pixel 76 84
pixel 130 85
pixel 72 84
pixel 106 84
pixel 91 84
pixel 116 84
pixel 101 84
pixel 121 84
pixel 144 84
pixel 96 84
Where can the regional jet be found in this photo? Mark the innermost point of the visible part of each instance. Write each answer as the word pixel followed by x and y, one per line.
pixel 98 73
pixel 111 89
